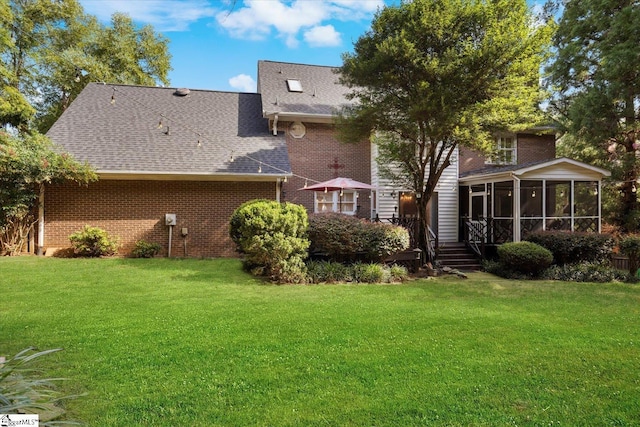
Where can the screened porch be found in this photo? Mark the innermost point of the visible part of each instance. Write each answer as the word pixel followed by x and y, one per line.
pixel 505 204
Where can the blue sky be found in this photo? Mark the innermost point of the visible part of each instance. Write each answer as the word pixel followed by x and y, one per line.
pixel 217 44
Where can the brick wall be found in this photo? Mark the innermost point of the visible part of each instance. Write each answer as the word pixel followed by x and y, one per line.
pixel 311 157
pixel 531 148
pixel 134 210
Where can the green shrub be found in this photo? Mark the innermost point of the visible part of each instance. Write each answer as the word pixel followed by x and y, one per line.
pixel 630 246
pixel 370 273
pixel 23 393
pixel 93 242
pixel 144 249
pixel 398 273
pixel 328 272
pixel 584 272
pixel 568 248
pixel 336 272
pixel 524 257
pixel 342 237
pixel 273 237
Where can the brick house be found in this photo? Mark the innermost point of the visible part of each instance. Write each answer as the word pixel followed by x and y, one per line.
pixel 199 154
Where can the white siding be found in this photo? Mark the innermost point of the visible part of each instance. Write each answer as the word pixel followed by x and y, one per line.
pixel 447 189
pixel 447 198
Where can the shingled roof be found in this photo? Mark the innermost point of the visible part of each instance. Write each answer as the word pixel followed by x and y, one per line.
pixel 320 97
pixel 124 138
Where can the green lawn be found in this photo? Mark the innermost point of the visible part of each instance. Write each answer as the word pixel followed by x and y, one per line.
pixel 198 342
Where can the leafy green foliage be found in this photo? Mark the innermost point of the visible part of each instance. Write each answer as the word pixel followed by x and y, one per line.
pixel 342 237
pixel 630 246
pixel 27 163
pixel 144 249
pixel 594 271
pixel 570 248
pixel 524 257
pixel 50 50
pixel 337 272
pixel 22 393
pixel 93 242
pixel 431 75
pixel 596 83
pixel 273 237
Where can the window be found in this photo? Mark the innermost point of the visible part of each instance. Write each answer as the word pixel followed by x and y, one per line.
pixel 345 201
pixel 505 151
pixel 294 85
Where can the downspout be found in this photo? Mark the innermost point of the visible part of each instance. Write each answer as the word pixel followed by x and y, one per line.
pixel 275 125
pixel 278 189
pixel 599 189
pixel 516 208
pixel 41 221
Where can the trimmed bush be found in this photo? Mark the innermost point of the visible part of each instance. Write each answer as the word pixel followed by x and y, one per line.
pixel 328 272
pixel 336 272
pixel 630 246
pixel 584 272
pixel 144 249
pixel 93 242
pixel 273 237
pixel 342 237
pixel 524 257
pixel 569 248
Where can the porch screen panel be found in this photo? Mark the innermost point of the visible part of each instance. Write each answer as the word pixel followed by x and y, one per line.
pixel 502 221
pixel 558 205
pixel 530 206
pixel 585 208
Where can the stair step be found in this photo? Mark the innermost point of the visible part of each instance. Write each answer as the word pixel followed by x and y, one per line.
pixel 458 256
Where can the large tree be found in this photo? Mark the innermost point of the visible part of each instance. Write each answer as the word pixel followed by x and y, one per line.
pixel 28 162
pixel 50 50
pixel 431 75
pixel 596 78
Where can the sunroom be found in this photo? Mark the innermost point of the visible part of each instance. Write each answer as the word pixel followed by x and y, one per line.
pixel 504 204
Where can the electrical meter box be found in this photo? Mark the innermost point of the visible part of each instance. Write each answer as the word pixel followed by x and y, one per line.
pixel 170 219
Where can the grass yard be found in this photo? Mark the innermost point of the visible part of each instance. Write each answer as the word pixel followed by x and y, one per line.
pixel 200 343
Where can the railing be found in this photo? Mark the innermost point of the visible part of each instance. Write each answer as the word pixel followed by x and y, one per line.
pixel 475 235
pixel 412 225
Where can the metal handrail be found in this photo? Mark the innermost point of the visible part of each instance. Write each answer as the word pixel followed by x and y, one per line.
pixel 475 235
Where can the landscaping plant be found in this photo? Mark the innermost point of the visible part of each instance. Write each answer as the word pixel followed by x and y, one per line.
pixel 21 392
pixel 630 246
pixel 524 257
pixel 144 249
pixel 341 237
pixel 573 247
pixel 273 238
pixel 93 242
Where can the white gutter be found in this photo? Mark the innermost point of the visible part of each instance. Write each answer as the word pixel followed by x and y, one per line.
pixel 275 125
pixel 131 175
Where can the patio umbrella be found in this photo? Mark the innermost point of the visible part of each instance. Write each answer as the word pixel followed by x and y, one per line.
pixel 339 184
pixel 336 184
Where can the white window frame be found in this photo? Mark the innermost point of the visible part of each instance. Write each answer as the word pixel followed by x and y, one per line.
pixel 330 202
pixel 501 150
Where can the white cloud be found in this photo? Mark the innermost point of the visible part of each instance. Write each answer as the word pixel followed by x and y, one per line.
pixel 243 83
pixel 324 35
pixel 259 19
pixel 164 15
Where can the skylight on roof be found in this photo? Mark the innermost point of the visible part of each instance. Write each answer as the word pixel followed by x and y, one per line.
pixel 294 85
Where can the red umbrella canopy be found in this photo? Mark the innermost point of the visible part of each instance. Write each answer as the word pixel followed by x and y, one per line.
pixel 336 184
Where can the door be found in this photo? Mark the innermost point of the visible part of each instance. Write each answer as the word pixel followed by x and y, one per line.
pixel 477 215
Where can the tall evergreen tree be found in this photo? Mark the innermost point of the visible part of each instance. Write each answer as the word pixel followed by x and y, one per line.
pixel 431 75
pixel 596 78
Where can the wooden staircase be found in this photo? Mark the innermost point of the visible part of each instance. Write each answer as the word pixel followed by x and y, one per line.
pixel 458 256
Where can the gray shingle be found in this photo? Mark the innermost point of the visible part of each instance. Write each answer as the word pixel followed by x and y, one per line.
pixel 322 93
pixel 125 136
